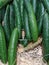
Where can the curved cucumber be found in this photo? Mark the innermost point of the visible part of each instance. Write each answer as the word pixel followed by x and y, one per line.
pixel 12 17
pixel 46 36
pixel 13 47
pixel 3 51
pixel 26 26
pixel 32 21
pixel 6 23
pixel 17 17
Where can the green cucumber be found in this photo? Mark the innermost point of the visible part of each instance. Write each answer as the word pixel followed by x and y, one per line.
pixel 26 26
pixel 46 4
pixel 4 2
pixel 40 14
pixel 3 51
pixel 12 17
pixel 21 11
pixel 46 36
pixel 6 23
pixel 17 17
pixel 12 50
pixel 34 4
pixel 32 21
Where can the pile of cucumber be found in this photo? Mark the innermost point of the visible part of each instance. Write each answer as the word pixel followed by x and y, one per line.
pixel 28 16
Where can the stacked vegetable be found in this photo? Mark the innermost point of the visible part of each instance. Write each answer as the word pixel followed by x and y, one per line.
pixel 30 16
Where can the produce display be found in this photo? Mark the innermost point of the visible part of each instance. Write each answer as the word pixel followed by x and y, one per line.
pixel 28 16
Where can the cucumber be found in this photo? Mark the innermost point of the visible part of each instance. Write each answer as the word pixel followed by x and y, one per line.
pixel 12 17
pixel 6 23
pixel 12 50
pixel 26 26
pixel 3 54
pixel 17 17
pixel 32 21
pixel 40 14
pixel 46 36
pixel 4 2
pixel 34 4
pixel 21 11
pixel 46 4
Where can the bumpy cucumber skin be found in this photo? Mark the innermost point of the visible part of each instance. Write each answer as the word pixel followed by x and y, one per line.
pixel 46 36
pixel 34 2
pixel 46 4
pixel 12 50
pixel 3 46
pixel 12 17
pixel 32 21
pixel 6 23
pixel 17 18
pixel 40 14
pixel 26 26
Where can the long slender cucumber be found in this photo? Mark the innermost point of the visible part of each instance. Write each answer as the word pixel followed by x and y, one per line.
pixel 3 51
pixel 17 17
pixel 32 21
pixel 6 23
pixel 12 50
pixel 46 36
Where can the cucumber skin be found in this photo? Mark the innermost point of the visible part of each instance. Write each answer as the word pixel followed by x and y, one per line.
pixel 3 51
pixel 21 11
pixel 12 17
pixel 17 18
pixel 6 22
pixel 46 36
pixel 40 14
pixel 46 4
pixel 12 50
pixel 32 21
pixel 34 4
pixel 26 26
